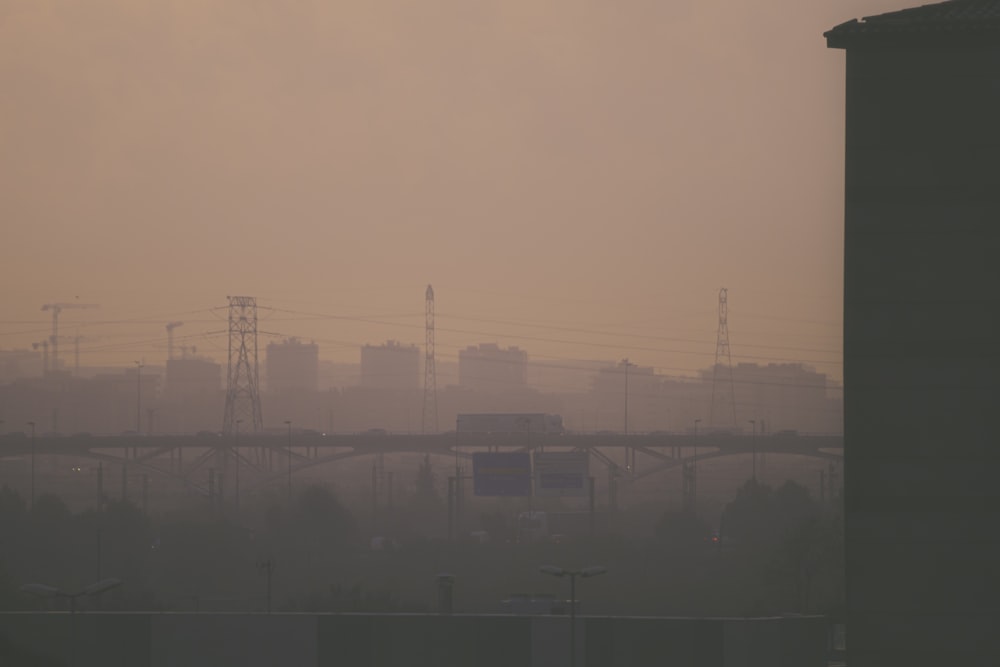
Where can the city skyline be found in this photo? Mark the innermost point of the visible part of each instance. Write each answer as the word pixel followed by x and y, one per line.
pixel 105 343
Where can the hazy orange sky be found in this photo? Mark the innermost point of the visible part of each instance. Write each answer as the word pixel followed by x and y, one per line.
pixel 575 178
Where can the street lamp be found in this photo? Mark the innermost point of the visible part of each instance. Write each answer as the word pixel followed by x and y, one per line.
pixel 694 464
pixel 288 422
pixel 572 574
pixel 628 465
pixel 138 399
pixel 236 451
pixel 267 567
pixel 32 425
pixel 753 441
pixel 97 588
pixel 626 363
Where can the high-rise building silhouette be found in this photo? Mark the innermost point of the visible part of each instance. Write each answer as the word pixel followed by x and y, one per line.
pixel 292 367
pixel 390 366
pixel 488 367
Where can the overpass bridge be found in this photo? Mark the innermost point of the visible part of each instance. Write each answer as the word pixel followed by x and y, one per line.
pixel 271 458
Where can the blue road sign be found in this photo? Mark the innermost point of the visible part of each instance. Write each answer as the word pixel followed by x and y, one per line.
pixel 501 473
pixel 561 473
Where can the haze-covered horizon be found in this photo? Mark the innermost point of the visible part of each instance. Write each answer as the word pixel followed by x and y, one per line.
pixel 575 180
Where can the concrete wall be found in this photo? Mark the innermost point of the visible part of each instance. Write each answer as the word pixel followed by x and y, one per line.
pixel 403 640
pixel 922 242
pixel 77 640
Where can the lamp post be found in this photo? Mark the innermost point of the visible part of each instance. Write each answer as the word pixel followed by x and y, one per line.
pixel 626 363
pixel 629 458
pixel 288 423
pixel 236 451
pixel 267 567
pixel 753 442
pixel 694 464
pixel 32 425
pixel 572 574
pixel 138 398
pixel 96 588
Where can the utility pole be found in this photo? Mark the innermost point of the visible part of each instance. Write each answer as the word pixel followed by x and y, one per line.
pixel 32 425
pixel 629 454
pixel 138 398
pixel 288 423
pixel 429 421
pixel 100 488
pixel 753 444
pixel 572 574
pixel 723 355
pixel 242 385
pixel 626 363
pixel 236 451
pixel 694 471
pixel 170 338
pixel 267 567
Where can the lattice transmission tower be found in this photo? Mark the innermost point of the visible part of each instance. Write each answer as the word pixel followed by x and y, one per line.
pixel 429 423
pixel 242 385
pixel 724 393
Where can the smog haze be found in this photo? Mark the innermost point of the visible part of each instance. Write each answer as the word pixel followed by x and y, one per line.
pixel 600 169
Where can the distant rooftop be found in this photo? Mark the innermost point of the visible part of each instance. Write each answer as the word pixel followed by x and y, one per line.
pixel 952 22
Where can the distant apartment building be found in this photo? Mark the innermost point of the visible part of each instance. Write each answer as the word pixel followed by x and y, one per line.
pixel 193 395
pixel 638 388
pixel 118 402
pixel 487 367
pixel 192 379
pixel 390 366
pixel 292 367
pixel 338 375
pixel 570 376
pixel 777 397
pixel 16 364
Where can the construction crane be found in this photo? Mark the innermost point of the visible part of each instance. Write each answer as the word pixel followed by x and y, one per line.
pixel 57 308
pixel 170 338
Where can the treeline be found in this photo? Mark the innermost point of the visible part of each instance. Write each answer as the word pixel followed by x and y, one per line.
pixel 778 551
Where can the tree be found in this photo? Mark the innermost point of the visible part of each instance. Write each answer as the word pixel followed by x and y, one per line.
pixel 681 530
pixel 760 516
pixel 12 505
pixel 812 561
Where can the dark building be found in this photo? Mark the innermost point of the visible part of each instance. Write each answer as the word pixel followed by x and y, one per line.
pixel 921 272
pixel 292 367
pixel 193 397
pixel 390 366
